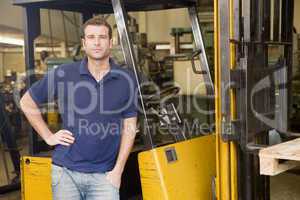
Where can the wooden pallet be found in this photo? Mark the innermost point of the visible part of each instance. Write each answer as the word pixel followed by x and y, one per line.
pixel 280 157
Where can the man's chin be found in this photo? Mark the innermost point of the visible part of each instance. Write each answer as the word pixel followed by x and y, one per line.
pixel 97 58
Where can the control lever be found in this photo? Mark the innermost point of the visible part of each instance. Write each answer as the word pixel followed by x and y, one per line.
pixel 169 118
pixel 194 54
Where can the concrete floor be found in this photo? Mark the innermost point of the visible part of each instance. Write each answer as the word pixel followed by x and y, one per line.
pixel 283 187
pixel 11 196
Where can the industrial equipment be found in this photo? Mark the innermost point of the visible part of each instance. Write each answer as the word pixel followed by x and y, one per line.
pixel 254 92
pixel 7 90
pixel 8 144
pixel 181 141
pixel 251 90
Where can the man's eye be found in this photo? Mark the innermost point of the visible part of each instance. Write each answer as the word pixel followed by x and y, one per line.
pixel 90 37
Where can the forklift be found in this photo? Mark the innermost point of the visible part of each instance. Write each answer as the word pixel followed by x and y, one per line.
pixel 251 95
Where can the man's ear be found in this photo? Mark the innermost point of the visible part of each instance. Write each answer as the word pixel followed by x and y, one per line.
pixel 83 43
pixel 111 43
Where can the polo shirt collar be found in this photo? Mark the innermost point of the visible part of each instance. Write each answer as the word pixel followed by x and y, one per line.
pixel 83 69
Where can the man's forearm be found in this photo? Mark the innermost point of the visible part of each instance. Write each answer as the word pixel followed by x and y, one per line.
pixel 34 116
pixel 127 141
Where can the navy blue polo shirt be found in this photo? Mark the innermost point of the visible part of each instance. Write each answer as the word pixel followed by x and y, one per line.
pixel 92 110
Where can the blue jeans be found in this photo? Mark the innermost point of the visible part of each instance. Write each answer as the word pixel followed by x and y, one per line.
pixel 72 185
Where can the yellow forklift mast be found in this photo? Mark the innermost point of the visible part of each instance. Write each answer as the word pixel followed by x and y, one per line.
pixel 226 151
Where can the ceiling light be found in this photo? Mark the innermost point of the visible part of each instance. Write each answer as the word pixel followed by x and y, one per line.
pixel 11 41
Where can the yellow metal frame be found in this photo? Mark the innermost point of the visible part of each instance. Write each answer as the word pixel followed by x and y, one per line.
pixel 226 152
pixel 189 177
pixel 36 178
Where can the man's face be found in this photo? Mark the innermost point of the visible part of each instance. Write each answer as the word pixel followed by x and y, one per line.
pixel 96 42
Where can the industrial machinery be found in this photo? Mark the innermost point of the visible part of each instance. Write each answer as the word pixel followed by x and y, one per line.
pixel 254 92
pixel 251 94
pixel 8 145
pixel 7 89
pixel 204 172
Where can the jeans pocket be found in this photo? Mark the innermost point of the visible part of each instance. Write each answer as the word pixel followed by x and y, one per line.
pixel 57 173
pixel 108 181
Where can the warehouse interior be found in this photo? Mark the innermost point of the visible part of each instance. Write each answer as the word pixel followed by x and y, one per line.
pixel 163 42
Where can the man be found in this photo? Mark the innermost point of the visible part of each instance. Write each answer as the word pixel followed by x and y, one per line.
pixel 97 101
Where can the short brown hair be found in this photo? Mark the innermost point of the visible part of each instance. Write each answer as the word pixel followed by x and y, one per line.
pixel 97 21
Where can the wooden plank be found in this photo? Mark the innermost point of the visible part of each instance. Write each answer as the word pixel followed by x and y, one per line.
pixel 279 158
pixel 287 150
pixel 272 167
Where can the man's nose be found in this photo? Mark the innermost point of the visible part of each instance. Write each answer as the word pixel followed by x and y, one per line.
pixel 97 41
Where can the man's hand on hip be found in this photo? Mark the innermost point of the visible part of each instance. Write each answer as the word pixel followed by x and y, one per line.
pixel 63 137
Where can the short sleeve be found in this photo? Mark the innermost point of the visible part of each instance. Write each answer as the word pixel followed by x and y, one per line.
pixel 132 102
pixel 44 90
